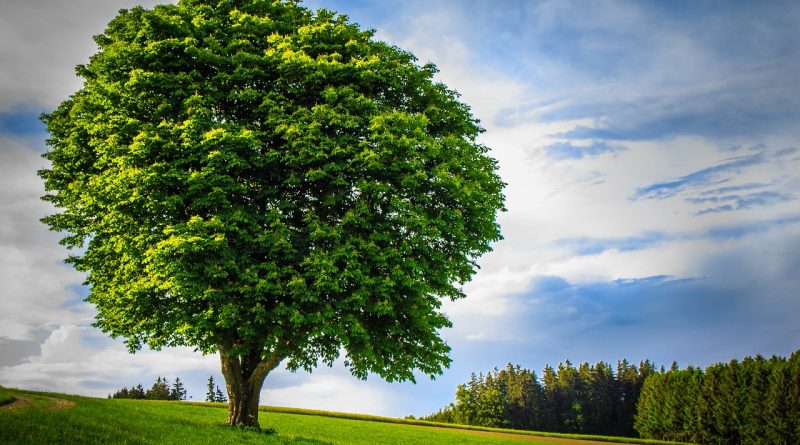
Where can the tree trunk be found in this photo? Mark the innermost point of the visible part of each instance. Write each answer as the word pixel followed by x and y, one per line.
pixel 244 376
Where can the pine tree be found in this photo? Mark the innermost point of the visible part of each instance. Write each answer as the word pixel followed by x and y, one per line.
pixel 178 391
pixel 754 428
pixel 553 413
pixel 122 394
pixel 779 429
pixel 794 396
pixel 219 396
pixel 211 396
pixel 138 393
pixel 692 391
pixel 159 390
pixel 649 420
pixel 726 413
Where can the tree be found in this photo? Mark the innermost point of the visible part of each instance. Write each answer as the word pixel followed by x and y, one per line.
pixel 219 396
pixel 211 395
pixel 138 392
pixel 159 390
pixel 255 179
pixel 178 391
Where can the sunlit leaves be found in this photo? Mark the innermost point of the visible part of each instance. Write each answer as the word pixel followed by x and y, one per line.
pixel 255 175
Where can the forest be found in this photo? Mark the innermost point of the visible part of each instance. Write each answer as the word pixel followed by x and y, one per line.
pixel 752 401
pixel 591 399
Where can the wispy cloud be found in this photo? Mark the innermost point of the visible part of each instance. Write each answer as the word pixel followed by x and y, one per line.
pixel 710 175
pixel 740 202
pixel 738 231
pixel 587 246
pixel 566 150
pixel 735 188
pixel 593 246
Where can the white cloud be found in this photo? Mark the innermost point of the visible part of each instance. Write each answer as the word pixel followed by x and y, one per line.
pixel 41 41
pixel 327 389
pixel 82 360
pixel 37 286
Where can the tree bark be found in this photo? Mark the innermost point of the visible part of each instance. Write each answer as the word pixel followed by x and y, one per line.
pixel 244 376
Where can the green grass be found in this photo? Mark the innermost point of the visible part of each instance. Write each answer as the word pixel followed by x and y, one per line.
pixel 5 396
pixel 104 421
pixel 611 439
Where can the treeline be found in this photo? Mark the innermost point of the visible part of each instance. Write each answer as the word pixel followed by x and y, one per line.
pixel 161 390
pixel 589 399
pixel 755 401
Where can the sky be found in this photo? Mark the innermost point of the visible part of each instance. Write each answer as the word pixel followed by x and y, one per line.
pixel 651 152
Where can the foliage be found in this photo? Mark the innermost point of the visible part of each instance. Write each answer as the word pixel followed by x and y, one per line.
pixel 587 400
pixel 254 178
pixel 161 390
pixel 102 421
pixel 755 401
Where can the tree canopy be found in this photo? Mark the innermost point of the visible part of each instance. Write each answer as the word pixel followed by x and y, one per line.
pixel 265 181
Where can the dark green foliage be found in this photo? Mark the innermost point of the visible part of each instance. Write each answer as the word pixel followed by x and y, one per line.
pixel 588 399
pixel 754 401
pixel 160 390
pixel 256 179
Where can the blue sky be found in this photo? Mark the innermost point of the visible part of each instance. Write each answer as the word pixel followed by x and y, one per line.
pixel 652 155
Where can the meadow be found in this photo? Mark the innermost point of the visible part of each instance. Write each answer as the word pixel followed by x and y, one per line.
pixel 37 417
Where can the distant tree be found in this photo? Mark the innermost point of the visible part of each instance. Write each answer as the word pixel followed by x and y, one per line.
pixel 159 390
pixel 779 427
pixel 650 414
pixel 138 392
pixel 573 391
pixel 123 393
pixel 524 397
pixel 583 400
pixel 219 396
pixel 493 404
pixel 211 395
pixel 555 405
pixel 793 414
pixel 755 411
pixel 258 180
pixel 178 391
pixel 467 399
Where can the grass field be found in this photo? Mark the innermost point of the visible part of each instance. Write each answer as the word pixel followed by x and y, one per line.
pixel 5 396
pixel 35 418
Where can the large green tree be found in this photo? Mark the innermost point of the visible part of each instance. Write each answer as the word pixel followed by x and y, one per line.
pixel 252 178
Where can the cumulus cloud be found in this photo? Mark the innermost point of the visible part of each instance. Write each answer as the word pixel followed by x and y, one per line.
pixel 79 359
pixel 43 41
pixel 39 291
pixel 333 392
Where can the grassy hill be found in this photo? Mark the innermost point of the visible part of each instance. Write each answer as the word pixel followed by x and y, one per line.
pixel 35 417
